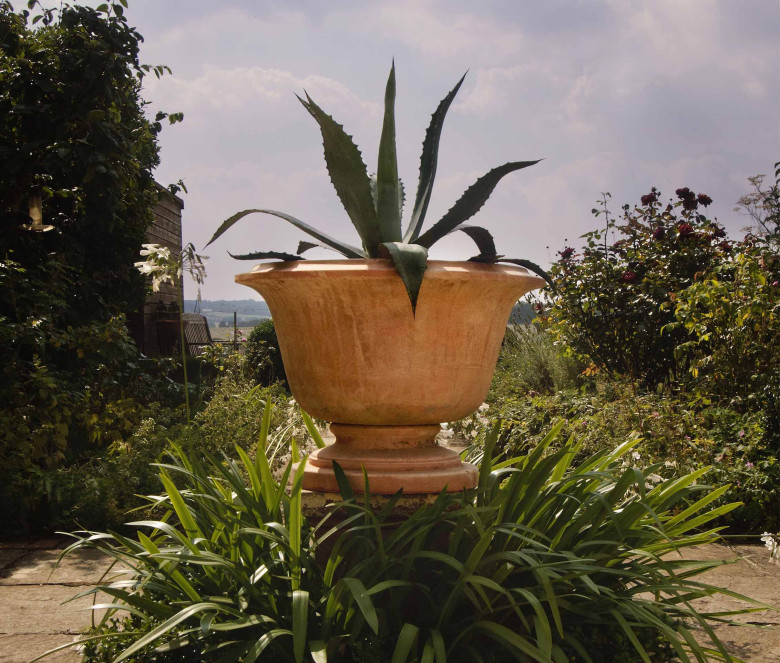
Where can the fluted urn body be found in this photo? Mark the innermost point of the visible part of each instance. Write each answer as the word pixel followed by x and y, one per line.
pixel 356 355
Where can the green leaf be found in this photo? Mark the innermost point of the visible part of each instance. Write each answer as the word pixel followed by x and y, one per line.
pixel 315 434
pixel 349 176
pixel 264 255
pixel 388 191
pixel 358 591
pixel 319 651
pixel 343 482
pixel 300 616
pixel 469 203
pixel 487 458
pixel 404 643
pixel 166 626
pixel 484 241
pixel 344 249
pixel 411 261
pixel 531 267
pixel 428 161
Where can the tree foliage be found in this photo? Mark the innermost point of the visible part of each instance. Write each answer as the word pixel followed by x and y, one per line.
pixel 74 136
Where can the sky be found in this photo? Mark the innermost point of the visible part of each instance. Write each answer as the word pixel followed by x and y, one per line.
pixel 615 95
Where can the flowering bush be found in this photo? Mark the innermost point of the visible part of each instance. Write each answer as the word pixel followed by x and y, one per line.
pixel 617 295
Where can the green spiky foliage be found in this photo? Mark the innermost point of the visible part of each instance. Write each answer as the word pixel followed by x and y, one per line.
pixel 544 562
pixel 374 203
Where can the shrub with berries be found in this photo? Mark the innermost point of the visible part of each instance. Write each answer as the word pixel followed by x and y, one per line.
pixel 616 297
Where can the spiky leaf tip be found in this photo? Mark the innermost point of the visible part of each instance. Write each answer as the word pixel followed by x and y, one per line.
pixel 411 262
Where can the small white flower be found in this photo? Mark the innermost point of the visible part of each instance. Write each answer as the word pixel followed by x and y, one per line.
pixel 483 407
pixel 670 463
pixel 636 455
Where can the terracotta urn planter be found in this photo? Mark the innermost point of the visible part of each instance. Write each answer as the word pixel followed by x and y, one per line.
pixel 356 356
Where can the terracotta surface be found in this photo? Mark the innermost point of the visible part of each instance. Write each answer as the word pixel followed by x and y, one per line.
pixel 354 354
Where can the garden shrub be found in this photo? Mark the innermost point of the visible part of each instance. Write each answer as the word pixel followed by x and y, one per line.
pixel 74 135
pixel 732 317
pixel 99 490
pixel 263 359
pixel 531 361
pixel 678 434
pixel 541 562
pixel 614 300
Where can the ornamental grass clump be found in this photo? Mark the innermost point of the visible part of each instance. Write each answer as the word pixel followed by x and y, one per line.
pixel 545 561
pixel 374 203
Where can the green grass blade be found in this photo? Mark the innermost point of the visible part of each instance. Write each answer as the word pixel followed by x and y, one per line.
pixel 388 193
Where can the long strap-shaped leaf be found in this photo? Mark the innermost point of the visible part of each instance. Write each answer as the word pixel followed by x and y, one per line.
pixel 349 176
pixel 411 261
pixel 428 161
pixel 469 203
pixel 388 192
pixel 341 247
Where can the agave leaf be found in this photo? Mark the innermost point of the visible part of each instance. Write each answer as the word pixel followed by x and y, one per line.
pixel 345 249
pixel 484 241
pixel 349 176
pixel 264 255
pixel 469 203
pixel 428 161
pixel 401 192
pixel 410 260
pixel 531 267
pixel 304 246
pixel 388 211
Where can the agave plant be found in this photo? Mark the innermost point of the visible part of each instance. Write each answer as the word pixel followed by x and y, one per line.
pixel 375 203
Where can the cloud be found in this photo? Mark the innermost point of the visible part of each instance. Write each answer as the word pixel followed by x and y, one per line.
pixel 616 95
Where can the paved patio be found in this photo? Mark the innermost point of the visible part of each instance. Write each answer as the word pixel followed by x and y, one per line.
pixel 33 618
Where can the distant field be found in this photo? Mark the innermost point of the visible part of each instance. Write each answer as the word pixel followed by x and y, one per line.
pixel 226 333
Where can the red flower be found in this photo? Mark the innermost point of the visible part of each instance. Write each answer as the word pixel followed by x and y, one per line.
pixel 629 276
pixel 649 198
pixel 685 230
pixel 704 199
pixel 685 194
pixel 659 233
pixel 567 253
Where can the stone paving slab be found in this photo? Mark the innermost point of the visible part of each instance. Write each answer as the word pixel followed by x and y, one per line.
pixel 21 648
pixel 38 568
pixel 754 575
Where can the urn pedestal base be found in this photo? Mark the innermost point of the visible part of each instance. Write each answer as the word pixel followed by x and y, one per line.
pixel 392 456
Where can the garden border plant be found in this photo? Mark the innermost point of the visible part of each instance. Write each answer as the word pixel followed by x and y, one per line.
pixel 537 562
